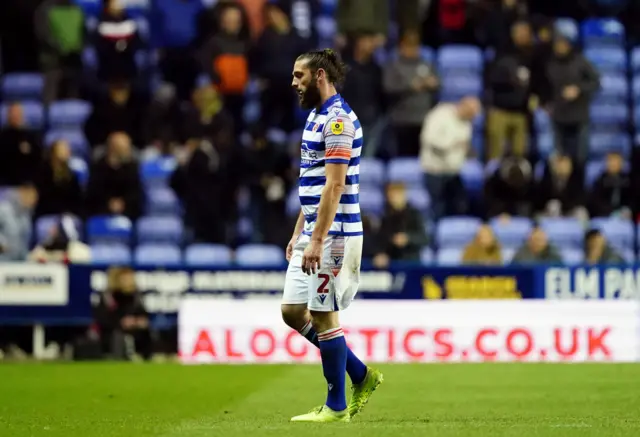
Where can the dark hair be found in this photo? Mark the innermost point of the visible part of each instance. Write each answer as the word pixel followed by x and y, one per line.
pixel 329 60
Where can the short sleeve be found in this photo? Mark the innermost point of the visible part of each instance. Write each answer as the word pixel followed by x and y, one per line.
pixel 338 133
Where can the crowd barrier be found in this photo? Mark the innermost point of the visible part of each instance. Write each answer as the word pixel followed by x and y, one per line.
pixel 214 331
pixel 45 294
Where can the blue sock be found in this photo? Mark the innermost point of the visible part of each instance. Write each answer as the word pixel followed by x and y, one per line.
pixel 333 350
pixel 356 369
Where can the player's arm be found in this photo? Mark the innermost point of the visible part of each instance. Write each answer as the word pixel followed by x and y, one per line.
pixel 339 133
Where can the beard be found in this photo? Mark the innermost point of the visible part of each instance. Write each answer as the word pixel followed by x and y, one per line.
pixel 310 98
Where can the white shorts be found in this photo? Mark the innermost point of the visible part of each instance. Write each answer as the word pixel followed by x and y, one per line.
pixel 335 285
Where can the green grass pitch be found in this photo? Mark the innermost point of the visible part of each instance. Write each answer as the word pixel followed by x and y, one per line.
pixel 447 400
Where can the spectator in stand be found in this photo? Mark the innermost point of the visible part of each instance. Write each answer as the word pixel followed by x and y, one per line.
pixel 209 19
pixel 58 186
pixel 303 14
pixel 174 25
pixel 363 90
pixel 611 192
pixel 402 233
pixel 445 142
pixel 59 26
pixel 121 111
pixel 410 84
pixel 21 150
pixel 598 251
pixel 205 117
pixel 114 181
pixel 512 81
pixel 117 41
pixel 355 16
pixel 509 190
pixel 62 245
pixel 537 250
pixel 161 126
pixel 275 52
pixel 206 183
pixel 484 249
pixel 500 21
pixel 269 179
pixel 225 58
pixel 16 215
pixel 573 81
pixel 121 318
pixel 560 192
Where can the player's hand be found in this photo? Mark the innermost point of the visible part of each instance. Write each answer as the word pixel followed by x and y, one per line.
pixel 571 92
pixel 311 258
pixel 290 246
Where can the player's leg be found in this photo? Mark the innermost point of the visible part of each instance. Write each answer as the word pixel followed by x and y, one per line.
pixel 297 317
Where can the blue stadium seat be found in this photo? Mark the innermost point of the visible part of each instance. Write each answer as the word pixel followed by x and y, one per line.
pixel 69 114
pixel 110 254
pixel 472 175
pixel 614 88
pixel 158 254
pixel 572 256
pixel 22 86
pixel 614 116
pixel 372 201
pixel 607 31
pixel 618 232
pixel 162 200
pixel 455 87
pixel 629 256
pixel 426 256
pixel 460 58
pixel 109 229
pixel 563 231
pixel 159 229
pixel 456 231
pixel 449 257
pixel 328 7
pixel 252 255
pixel 542 121
pixel 407 170
pixel 90 58
pixel 207 255
pixel 602 143
pixel 419 198
pixel 76 139
pixel 513 233
pixel 568 27
pixel 608 59
pixel 327 27
pixel 32 112
pixel 372 172
pixel 156 172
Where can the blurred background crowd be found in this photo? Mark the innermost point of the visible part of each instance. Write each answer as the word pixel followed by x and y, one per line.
pixel 164 132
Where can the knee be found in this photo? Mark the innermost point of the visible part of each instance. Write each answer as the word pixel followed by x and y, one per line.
pixel 295 316
pixel 323 321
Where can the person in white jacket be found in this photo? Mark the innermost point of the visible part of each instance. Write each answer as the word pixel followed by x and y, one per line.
pixel 444 143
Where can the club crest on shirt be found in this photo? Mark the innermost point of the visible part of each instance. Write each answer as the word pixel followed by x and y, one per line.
pixel 337 127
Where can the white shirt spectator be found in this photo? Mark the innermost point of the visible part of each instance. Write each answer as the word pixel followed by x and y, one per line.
pixel 444 140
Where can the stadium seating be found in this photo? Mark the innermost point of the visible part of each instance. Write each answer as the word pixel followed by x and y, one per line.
pixel 207 255
pixel 449 257
pixel 69 114
pixel 608 32
pixel 22 86
pixel 456 231
pixel 158 254
pixel 619 233
pixel 372 172
pixel 165 229
pixel 76 139
pixel 109 229
pixel 572 256
pixel 407 170
pixel 460 59
pixel 512 233
pixel 162 200
pixel 260 255
pixel 110 254
pixel 563 231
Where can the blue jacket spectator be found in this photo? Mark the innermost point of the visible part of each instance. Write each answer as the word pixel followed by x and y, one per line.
pixel 16 213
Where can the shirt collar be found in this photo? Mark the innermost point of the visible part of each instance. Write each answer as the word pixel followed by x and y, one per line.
pixel 330 101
